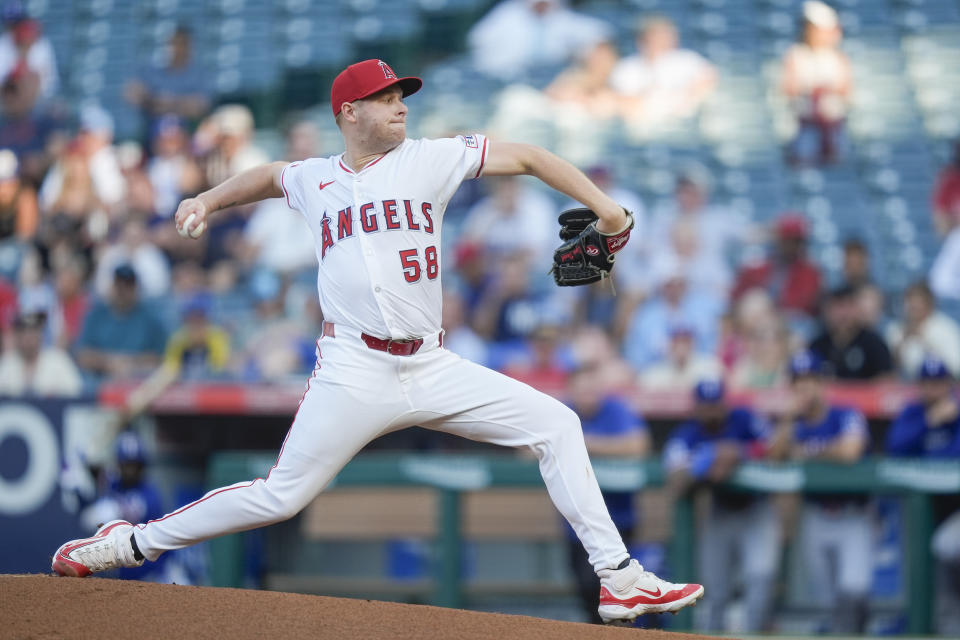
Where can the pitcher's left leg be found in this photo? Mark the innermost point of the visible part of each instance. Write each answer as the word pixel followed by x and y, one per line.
pixel 480 404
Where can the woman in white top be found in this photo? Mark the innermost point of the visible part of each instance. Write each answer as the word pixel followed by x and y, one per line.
pixel 818 81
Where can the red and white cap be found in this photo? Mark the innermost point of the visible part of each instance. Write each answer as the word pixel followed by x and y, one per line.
pixel 364 79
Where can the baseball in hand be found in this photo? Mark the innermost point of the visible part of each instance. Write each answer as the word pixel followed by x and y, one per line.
pixel 185 229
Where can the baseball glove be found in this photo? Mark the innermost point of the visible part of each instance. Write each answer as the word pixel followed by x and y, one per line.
pixel 587 254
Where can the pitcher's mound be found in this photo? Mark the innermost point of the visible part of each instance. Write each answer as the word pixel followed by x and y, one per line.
pixel 38 606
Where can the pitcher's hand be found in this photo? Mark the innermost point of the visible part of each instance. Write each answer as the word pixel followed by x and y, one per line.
pixel 191 218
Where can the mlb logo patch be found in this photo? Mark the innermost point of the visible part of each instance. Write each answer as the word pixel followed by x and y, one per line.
pixel 470 141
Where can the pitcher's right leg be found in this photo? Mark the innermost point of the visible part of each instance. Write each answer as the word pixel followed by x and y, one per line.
pixel 334 421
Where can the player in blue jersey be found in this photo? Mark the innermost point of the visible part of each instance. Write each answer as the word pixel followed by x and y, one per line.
pixel 930 428
pixel 129 495
pixel 836 536
pixel 741 528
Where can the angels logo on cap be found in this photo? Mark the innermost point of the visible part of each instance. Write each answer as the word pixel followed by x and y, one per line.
pixel 387 71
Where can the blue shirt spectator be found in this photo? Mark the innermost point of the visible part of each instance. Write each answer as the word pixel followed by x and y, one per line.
pixel 181 87
pixel 121 336
pixel 648 336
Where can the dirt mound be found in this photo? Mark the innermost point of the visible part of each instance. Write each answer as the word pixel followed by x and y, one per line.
pixel 39 606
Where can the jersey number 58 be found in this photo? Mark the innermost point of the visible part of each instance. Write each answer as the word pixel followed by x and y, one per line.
pixel 410 261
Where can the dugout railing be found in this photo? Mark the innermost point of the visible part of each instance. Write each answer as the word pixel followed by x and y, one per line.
pixel 452 475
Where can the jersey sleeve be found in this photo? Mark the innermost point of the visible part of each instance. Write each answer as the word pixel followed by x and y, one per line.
pixel 453 160
pixel 291 181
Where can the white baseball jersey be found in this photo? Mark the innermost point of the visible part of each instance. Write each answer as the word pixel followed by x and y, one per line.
pixel 377 231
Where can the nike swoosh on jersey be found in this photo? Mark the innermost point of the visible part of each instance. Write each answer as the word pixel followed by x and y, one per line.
pixel 323 185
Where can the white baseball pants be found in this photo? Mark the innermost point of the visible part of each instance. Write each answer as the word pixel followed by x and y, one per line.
pixel 357 394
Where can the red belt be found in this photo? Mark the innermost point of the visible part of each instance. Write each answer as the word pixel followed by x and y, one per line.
pixel 391 346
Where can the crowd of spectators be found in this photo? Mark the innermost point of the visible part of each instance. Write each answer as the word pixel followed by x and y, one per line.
pixel 88 252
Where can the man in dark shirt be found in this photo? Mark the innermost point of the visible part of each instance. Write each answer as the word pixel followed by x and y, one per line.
pixel 851 350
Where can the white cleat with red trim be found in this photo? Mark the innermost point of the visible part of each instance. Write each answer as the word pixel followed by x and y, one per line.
pixel 109 548
pixel 630 592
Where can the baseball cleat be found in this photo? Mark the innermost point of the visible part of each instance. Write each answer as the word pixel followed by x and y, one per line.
pixel 109 548
pixel 630 592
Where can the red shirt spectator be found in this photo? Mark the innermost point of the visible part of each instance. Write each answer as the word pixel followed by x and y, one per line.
pixel 946 195
pixel 791 279
pixel 8 304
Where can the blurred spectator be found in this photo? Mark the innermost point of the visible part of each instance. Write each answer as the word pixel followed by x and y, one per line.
pixel 224 142
pixel 767 349
pixel 519 36
pixel 8 305
pixel 610 429
pixel 225 139
pixel 930 428
pixel 277 237
pixel 740 538
pixel 122 336
pixel 134 248
pixel 24 50
pixel 543 366
pixel 792 279
pixel 509 309
pixel 273 345
pixel 661 82
pixel 946 194
pixel 473 274
pixel 856 263
pixel 945 272
pixel 197 350
pixel 836 537
pixel 586 84
pixel 458 336
pixel 173 172
pixel 34 135
pixel 181 87
pixel 682 367
pixel 703 236
pixel 572 116
pixel 647 341
pixel 19 214
pixel 73 301
pixel 924 332
pixel 89 165
pixel 853 350
pixel 593 345
pixel 818 81
pixel 871 305
pixel 514 219
pixel 27 367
